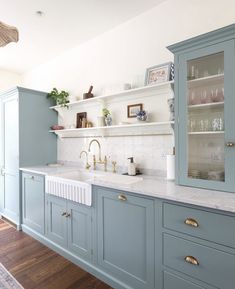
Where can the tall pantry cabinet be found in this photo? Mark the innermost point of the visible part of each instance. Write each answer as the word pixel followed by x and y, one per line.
pixel 25 141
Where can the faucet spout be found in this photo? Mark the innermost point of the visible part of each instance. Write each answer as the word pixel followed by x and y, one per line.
pixel 89 148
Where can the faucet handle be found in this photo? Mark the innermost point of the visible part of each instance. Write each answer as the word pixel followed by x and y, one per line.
pixel 114 163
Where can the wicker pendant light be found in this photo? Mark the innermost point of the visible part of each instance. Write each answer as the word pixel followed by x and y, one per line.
pixel 8 34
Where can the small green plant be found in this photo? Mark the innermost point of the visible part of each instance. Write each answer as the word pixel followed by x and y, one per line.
pixel 106 112
pixel 61 98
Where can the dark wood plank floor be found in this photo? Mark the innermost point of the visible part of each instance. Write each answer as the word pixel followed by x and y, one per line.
pixel 35 266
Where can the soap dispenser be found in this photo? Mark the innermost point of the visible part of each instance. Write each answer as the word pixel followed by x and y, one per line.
pixel 131 167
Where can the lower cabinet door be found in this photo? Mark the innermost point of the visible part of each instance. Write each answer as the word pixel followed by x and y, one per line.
pixel 33 202
pixel 56 219
pixel 126 237
pixel 79 230
pixel 172 281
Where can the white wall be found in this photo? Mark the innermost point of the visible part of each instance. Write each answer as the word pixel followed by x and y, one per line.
pixel 9 79
pixel 123 54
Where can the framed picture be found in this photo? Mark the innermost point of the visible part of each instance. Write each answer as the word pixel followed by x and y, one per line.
pixel 133 109
pixel 158 73
pixel 80 117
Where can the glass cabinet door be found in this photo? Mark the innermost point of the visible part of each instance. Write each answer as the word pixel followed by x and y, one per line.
pixel 205 111
pixel 204 138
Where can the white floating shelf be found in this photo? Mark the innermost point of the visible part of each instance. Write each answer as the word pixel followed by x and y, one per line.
pixel 146 128
pixel 205 80
pixel 205 132
pixel 206 105
pixel 106 97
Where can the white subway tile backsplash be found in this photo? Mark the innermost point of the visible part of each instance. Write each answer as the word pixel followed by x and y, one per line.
pixel 148 151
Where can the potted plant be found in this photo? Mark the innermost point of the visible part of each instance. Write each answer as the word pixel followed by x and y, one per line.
pixel 107 117
pixel 61 98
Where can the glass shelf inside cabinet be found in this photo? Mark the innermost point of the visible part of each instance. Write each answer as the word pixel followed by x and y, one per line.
pixel 205 98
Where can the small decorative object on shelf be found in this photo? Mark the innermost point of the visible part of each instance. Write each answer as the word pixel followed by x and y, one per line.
pixel 142 115
pixel 81 119
pixel 107 117
pixel 100 121
pixel 57 127
pixel 88 94
pixel 61 98
pixel 159 73
pixel 133 109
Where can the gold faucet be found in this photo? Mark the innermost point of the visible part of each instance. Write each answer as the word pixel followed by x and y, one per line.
pixel 104 162
pixel 87 164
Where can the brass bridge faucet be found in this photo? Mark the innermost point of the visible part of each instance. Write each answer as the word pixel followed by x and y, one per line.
pixel 104 162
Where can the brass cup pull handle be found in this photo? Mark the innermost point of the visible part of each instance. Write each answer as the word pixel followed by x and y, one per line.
pixel 67 215
pixel 191 222
pixel 63 214
pixel 191 260
pixel 230 144
pixel 122 198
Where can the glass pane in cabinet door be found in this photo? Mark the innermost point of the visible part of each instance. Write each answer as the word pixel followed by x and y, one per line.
pixel 205 98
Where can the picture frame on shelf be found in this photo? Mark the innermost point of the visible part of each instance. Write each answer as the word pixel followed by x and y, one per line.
pixel 80 117
pixel 159 73
pixel 133 109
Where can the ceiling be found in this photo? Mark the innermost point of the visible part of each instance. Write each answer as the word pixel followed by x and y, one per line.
pixel 63 25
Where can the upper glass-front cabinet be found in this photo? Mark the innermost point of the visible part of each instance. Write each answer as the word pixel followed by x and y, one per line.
pixel 205 110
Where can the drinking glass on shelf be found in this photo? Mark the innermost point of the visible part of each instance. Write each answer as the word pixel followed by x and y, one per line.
pixel 215 95
pixel 193 98
pixel 205 96
pixel 218 124
pixel 192 125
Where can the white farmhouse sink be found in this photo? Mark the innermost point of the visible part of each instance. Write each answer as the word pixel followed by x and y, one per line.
pixel 76 185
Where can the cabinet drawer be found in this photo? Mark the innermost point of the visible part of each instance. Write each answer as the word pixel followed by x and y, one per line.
pixel 214 267
pixel 172 281
pixel 206 225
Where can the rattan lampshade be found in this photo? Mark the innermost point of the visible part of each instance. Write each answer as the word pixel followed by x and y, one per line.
pixel 8 34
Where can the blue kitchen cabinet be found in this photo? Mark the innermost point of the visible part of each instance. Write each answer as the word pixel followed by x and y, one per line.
pixel 126 237
pixel 25 141
pixel 33 199
pixel 80 230
pixel 204 107
pixel 56 220
pixel 69 225
pixel 172 281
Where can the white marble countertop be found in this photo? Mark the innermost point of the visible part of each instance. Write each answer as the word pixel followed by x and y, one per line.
pixel 158 188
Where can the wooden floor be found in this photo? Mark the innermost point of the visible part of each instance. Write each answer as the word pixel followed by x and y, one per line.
pixel 35 266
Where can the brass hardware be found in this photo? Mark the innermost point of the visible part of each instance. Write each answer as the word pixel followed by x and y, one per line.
pixel 67 215
pixel 104 162
pixel 191 222
pixel 63 214
pixel 94 163
pixel 230 144
pixel 89 148
pixel 191 260
pixel 87 164
pixel 114 166
pixel 122 198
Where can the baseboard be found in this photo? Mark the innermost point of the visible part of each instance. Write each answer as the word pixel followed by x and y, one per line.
pixel 87 266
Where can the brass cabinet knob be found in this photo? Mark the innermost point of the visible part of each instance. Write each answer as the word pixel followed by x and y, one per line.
pixel 191 222
pixel 191 260
pixel 230 144
pixel 122 198
pixel 63 214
